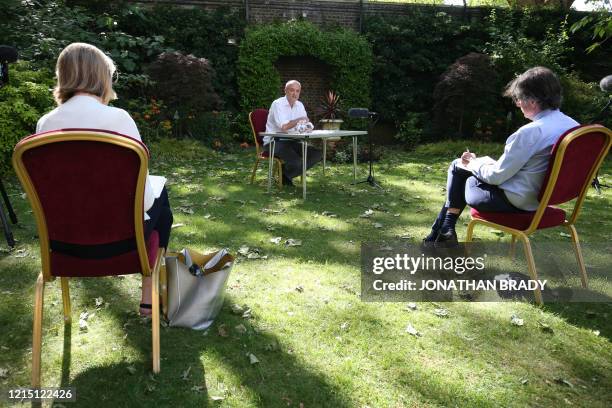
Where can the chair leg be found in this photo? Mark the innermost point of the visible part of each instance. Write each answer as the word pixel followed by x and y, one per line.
pixel 512 247
pixel 470 231
pixel 279 173
pixel 578 252
pixel 163 287
pixel 66 300
pixel 155 311
pixel 37 330
pixel 531 265
pixel 254 171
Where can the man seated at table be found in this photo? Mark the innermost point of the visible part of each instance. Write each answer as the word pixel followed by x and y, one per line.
pixel 284 115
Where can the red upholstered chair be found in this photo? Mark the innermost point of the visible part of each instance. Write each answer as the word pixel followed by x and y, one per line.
pixel 575 159
pixel 257 119
pixel 86 189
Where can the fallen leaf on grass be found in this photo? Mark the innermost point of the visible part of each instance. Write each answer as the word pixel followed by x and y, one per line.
pixel 344 326
pixel 99 301
pixel 517 321
pixel 378 225
pixel 241 329
pixel 293 242
pixel 131 370
pixel 217 397
pixel 545 328
pixel 329 214
pixel 367 214
pixel 247 314
pixel 524 381
pixel 563 381
pixel 198 388
pixel 185 375
pixel 252 358
pixel 222 332
pixel 411 330
pixel 441 312
pixel 237 309
pixel 411 306
pixel 565 235
pixel 299 288
pixel 4 372
pixel 276 240
pixel 180 224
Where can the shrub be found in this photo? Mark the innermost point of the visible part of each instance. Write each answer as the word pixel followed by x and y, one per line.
pixel 410 131
pixel 581 100
pixel 467 91
pixel 184 83
pixel 348 53
pixel 23 101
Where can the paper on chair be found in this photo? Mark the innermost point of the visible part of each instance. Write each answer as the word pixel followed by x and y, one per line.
pixel 157 184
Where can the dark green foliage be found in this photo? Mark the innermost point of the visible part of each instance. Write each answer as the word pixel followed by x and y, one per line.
pixel 467 92
pixel 410 53
pixel 184 83
pixel 24 100
pixel 345 51
pixel 213 35
pixel 411 130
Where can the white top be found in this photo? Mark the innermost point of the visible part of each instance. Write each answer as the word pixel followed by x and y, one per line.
pixel 521 169
pixel 281 113
pixel 83 111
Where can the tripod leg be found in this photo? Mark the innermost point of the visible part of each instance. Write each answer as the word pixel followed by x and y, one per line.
pixel 8 204
pixel 354 159
pixel 7 229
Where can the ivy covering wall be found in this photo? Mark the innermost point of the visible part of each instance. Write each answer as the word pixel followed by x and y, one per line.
pixel 348 53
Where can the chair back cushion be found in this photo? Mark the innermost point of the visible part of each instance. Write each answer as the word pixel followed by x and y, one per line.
pixel 258 119
pixel 87 192
pixel 578 161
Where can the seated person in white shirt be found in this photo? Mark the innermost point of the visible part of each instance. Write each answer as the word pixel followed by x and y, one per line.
pixel 83 91
pixel 284 115
pixel 513 182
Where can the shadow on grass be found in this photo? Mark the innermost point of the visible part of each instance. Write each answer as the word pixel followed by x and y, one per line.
pixel 278 378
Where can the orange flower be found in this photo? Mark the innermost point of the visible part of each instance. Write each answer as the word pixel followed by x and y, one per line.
pixel 244 145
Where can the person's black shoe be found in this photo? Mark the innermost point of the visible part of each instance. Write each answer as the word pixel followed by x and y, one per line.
pixel 432 235
pixel 287 181
pixel 447 239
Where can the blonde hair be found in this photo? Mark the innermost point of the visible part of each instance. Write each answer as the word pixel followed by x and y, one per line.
pixel 84 68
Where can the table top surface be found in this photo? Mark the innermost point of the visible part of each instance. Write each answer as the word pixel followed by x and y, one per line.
pixel 315 134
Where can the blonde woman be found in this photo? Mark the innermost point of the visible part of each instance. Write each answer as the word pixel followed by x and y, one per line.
pixel 83 91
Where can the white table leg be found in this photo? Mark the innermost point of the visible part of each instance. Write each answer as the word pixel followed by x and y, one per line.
pixel 324 154
pixel 304 157
pixel 270 163
pixel 354 159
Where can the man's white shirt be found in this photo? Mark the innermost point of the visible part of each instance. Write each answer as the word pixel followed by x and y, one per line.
pixel 281 113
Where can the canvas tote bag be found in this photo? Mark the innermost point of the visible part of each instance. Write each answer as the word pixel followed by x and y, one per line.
pixel 195 300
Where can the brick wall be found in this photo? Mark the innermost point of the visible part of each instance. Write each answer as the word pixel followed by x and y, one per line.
pixel 312 73
pixel 346 13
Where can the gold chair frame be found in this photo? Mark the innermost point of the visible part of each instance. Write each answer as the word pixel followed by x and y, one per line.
pixel 523 235
pixel 45 274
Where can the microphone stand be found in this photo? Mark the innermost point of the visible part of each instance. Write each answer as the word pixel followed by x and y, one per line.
pixel 373 118
pixel 602 114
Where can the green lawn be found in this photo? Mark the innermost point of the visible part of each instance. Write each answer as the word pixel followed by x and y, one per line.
pixel 317 343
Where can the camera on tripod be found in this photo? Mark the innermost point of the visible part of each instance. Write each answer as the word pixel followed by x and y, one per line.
pixel 7 55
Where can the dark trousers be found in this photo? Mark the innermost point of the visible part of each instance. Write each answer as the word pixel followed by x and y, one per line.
pixel 463 188
pixel 161 219
pixel 290 153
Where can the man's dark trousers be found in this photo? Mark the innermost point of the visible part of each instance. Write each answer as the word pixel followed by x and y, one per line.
pixel 290 153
